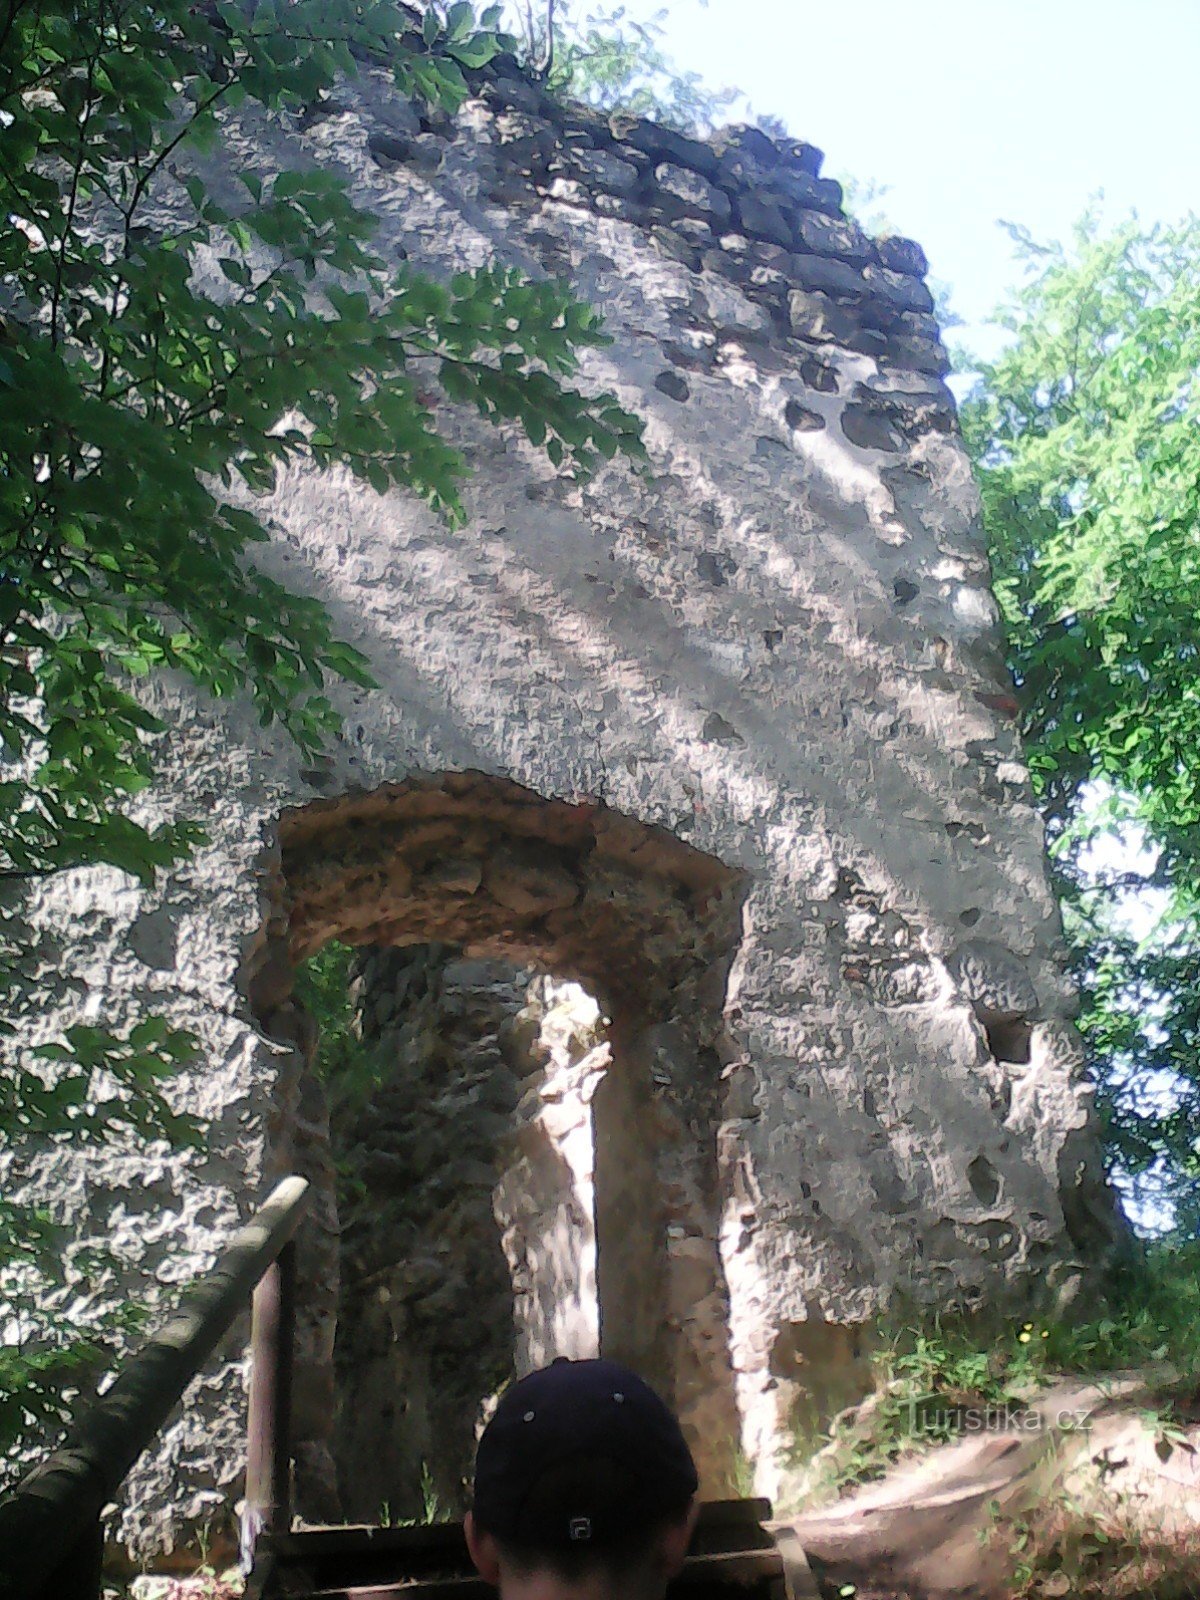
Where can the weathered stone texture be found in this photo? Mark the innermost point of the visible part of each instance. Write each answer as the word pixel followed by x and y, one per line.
pixel 748 766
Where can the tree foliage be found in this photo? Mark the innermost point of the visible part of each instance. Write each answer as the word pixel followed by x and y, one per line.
pixel 613 62
pixel 165 351
pixel 1086 433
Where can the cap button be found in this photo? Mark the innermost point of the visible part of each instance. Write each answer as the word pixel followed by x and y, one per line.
pixel 618 1397
pixel 529 1416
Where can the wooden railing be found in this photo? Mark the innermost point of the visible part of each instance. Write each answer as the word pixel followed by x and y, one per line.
pixel 51 1537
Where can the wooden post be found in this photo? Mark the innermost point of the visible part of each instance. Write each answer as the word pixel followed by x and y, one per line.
pixel 268 1453
pixel 80 1575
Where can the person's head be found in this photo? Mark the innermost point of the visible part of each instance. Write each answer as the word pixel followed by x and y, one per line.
pixel 584 1488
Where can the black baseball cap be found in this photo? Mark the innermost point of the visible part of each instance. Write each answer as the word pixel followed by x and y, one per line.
pixel 581 1454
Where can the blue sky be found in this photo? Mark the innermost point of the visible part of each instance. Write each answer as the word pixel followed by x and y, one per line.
pixel 970 112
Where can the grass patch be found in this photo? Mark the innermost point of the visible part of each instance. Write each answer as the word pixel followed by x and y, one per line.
pixel 1068 1552
pixel 934 1383
pixel 931 1385
pixel 1152 1316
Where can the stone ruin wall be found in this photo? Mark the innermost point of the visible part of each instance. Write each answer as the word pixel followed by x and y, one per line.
pixel 730 742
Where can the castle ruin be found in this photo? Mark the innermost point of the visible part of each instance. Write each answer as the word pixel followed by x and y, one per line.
pixel 700 890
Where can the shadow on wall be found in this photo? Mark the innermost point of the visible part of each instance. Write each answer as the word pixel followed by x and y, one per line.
pixel 650 926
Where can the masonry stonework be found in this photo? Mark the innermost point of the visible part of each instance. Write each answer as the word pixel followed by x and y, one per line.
pixel 729 741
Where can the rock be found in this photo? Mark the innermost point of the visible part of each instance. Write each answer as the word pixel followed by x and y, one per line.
pixel 697 357
pixel 427 154
pixel 801 418
pixel 818 376
pixel 569 192
pixel 805 157
pixel 869 430
pixel 869 342
pixel 919 325
pixel 717 730
pixel 906 294
pixel 715 567
pixel 619 205
pixel 1057 1047
pixel 993 980
pixel 908 983
pixel 902 255
pixel 450 875
pixel 693 192
pixel 524 141
pixel 771 283
pixel 673 385
pixel 517 91
pixel 696 231
pixel 672 245
pixel 917 355
pixel 762 220
pixel 816 316
pixel 390 149
pixel 153 938
pixel 605 171
pixel 524 882
pixel 741 139
pixel 731 312
pixel 829 197
pixel 833 236
pixel 663 144
pixel 768 446
pixel 794 190
pixel 828 275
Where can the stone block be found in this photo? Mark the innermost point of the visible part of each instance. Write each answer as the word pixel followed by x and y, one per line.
pixel 828 275
pixel 694 194
pixel 603 170
pixel 761 219
pixel 905 293
pixel 714 733
pixel 993 980
pixel 815 316
pixel 664 144
pixel 833 236
pixel 917 355
pixel 902 255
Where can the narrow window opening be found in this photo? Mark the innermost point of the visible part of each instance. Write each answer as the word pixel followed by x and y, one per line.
pixel 460 1130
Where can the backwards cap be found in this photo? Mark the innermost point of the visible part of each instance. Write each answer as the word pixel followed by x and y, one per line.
pixel 582 1452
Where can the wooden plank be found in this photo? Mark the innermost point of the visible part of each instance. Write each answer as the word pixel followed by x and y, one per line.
pixel 735 1568
pixel 300 1544
pixel 303 1543
pixel 456 1588
pixel 734 1513
pixel 56 1504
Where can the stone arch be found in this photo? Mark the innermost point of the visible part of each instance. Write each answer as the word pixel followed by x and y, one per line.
pixel 650 925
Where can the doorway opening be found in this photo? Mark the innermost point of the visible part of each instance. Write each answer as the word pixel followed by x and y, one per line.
pixel 529 1167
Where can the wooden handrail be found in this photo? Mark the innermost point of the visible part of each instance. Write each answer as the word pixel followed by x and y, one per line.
pixel 54 1510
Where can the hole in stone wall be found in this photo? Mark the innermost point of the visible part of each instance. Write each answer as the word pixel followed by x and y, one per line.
pixel 984 1181
pixel 1010 1040
pixel 510 1186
